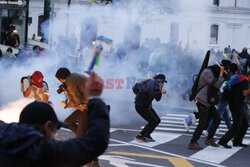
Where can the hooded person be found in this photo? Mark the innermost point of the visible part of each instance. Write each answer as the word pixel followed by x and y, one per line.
pixel 34 87
pixel 146 92
pixel 210 82
pixel 245 60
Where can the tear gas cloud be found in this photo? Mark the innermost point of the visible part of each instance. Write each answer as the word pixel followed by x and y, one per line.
pixel 150 37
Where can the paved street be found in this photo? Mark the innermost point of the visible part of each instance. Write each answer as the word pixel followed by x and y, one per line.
pixel 170 148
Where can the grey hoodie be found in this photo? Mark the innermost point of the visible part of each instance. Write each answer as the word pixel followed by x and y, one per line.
pixel 207 78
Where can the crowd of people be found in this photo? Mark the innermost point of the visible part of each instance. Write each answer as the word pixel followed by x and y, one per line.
pixel 38 123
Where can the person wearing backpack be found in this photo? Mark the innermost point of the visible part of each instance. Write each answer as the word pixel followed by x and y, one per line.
pixel 222 103
pixel 146 92
pixel 211 79
pixel 237 89
pixel 34 87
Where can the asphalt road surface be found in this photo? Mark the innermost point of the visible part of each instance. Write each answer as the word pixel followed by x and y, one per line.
pixel 170 148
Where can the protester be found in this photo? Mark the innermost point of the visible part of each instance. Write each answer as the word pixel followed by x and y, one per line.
pixel 1 55
pixel 189 120
pixel 227 49
pixel 74 85
pixel 8 54
pixel 245 55
pixel 238 87
pixel 209 84
pixel 12 37
pixel 222 105
pixel 94 88
pixel 33 37
pixel 149 90
pixel 30 143
pixel 34 87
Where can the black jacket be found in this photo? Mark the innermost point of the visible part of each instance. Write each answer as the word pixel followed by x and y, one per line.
pixel 149 92
pixel 22 146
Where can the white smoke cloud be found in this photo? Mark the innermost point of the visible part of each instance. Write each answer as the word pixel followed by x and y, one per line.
pixel 146 23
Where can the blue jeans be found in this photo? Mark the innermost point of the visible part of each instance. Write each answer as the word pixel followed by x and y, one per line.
pixel 222 110
pixel 188 120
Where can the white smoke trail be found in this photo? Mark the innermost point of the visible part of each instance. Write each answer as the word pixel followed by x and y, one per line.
pixel 10 112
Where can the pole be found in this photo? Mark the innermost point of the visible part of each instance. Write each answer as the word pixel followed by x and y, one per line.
pixel 67 24
pixel 47 9
pixel 51 23
pixel 26 22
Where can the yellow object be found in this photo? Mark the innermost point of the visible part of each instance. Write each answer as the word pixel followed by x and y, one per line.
pixel 177 162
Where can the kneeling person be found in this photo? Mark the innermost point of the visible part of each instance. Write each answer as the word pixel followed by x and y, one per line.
pixel 34 87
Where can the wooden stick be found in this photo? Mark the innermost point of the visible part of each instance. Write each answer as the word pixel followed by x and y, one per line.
pixel 220 66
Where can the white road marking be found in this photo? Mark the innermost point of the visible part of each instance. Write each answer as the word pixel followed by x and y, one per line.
pixel 178 115
pixel 167 153
pixel 121 162
pixel 160 138
pixel 216 154
pixel 173 118
pixel 118 145
pixel 175 122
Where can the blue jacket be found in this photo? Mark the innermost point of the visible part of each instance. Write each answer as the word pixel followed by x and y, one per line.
pixel 150 91
pixel 22 146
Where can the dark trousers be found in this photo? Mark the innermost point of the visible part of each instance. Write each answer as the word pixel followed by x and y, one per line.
pixel 149 114
pixel 205 113
pixel 239 127
pixel 77 122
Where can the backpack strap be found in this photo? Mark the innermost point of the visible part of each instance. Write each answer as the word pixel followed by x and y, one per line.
pixel 201 88
pixel 23 78
pixel 46 84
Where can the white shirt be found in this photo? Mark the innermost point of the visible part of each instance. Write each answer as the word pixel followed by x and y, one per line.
pixel 27 84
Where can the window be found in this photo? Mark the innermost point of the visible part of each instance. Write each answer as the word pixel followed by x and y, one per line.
pixel 216 2
pixel 214 34
pixel 40 21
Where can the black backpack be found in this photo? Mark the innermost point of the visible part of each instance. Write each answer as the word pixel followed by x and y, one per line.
pixel 140 86
pixel 195 89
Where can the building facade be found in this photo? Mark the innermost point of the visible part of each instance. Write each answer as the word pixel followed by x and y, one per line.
pixel 215 24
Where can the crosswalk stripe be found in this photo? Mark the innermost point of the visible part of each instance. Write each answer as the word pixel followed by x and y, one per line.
pixel 175 122
pixel 172 125
pixel 216 154
pixel 177 115
pixel 172 118
pixel 168 121
pixel 173 129
pixel 160 138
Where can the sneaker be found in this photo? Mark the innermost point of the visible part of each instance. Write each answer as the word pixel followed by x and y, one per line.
pixel 193 119
pixel 149 138
pixel 205 132
pixel 239 145
pixel 141 139
pixel 194 146
pixel 211 142
pixel 186 125
pixel 224 144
